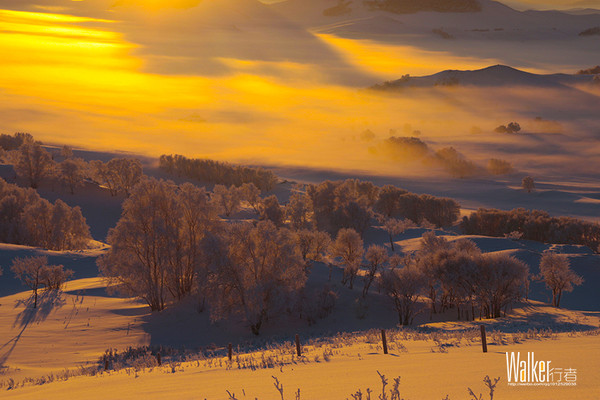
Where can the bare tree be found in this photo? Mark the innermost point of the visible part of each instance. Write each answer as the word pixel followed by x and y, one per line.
pixel 556 272
pixel 66 152
pixel 376 257
pixel 395 227
pixel 30 271
pixel 528 184
pixel 33 163
pixel 348 246
pixel 55 276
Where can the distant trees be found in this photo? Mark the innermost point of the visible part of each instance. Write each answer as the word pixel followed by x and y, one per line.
pixel 512 127
pixel 413 6
pixel 377 257
pixel 342 204
pixel 36 273
pixel 349 248
pixel 298 211
pixel 119 175
pixel 72 172
pixel 258 269
pixel 228 200
pixel 27 219
pixel 13 142
pixel 499 167
pixel 33 163
pixel 271 210
pixel 397 203
pixel 217 172
pixel 556 273
pixel 534 225
pixel 528 184
pixel 395 227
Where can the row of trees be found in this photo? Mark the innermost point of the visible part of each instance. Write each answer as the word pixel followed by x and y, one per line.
pixel 211 171
pixel 533 225
pixel 27 219
pixel 458 275
pixel 33 163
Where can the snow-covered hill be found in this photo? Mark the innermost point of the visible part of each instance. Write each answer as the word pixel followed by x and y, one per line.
pixel 497 75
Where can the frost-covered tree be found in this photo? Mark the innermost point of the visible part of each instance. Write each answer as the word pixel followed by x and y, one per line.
pixel 313 245
pixel 251 194
pixel 556 272
pixel 298 211
pixel 127 171
pixel 119 175
pixel 33 163
pixel 395 227
pixel 376 257
pixel 228 200
pixel 404 286
pixel 72 172
pixel 258 270
pixel 348 247
pixel 30 271
pixel 271 210
pixel 66 152
pixel 498 280
pixel 105 176
pixel 528 184
pixel 156 245
pixel 55 276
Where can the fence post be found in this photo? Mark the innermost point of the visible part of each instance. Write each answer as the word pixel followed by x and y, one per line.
pixel 298 351
pixel 483 339
pixel 158 359
pixel 230 351
pixel 384 341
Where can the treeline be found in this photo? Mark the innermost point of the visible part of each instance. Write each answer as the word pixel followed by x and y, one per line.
pixel 533 225
pixel 27 219
pixel 34 164
pixel 413 6
pixel 218 172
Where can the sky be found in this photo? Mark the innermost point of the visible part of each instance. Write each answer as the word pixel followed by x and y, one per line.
pixel 198 78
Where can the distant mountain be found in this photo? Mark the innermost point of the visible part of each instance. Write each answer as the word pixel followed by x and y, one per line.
pixel 494 76
pixel 488 20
